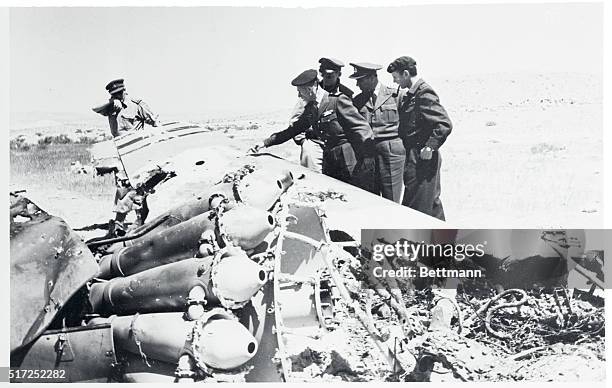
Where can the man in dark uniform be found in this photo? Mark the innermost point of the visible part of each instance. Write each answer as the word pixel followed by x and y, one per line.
pixel 311 155
pixel 423 127
pixel 126 114
pixel 331 70
pixel 332 117
pixel 377 103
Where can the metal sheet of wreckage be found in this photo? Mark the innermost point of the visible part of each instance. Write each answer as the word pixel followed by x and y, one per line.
pixel 347 207
pixel 201 158
pixel 299 299
pixel 49 263
pixel 143 150
pixel 105 157
pixel 303 290
pixel 79 354
pixel 293 303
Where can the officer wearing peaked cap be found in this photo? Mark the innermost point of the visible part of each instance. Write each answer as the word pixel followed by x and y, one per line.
pixel 125 114
pixel 311 155
pixel 331 70
pixel 306 77
pixel 346 136
pixel 424 126
pixel 378 105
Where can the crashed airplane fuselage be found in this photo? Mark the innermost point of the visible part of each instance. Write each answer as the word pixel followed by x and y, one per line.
pixel 235 262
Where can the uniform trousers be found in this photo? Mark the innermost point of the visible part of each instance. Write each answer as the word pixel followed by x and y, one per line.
pixel 422 183
pixel 342 163
pixel 390 157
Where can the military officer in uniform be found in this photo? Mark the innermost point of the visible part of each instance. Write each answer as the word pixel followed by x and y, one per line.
pixel 423 127
pixel 332 117
pixel 311 155
pixel 126 114
pixel 331 70
pixel 378 105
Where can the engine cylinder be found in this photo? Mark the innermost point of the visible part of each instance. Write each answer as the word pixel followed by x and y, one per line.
pixel 219 341
pixel 245 226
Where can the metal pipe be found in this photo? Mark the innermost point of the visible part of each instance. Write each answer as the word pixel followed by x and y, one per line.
pixel 96 242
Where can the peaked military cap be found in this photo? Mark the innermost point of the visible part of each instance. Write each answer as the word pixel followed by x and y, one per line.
pixel 400 64
pixel 115 86
pixel 307 77
pixel 364 69
pixel 330 64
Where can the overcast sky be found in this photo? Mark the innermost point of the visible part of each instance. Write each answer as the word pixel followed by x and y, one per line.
pixel 207 59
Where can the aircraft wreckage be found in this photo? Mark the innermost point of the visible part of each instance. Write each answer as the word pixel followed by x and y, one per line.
pixel 241 264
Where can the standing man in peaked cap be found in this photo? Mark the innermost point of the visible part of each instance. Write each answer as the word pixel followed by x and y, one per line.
pixel 377 103
pixel 333 118
pixel 424 126
pixel 331 70
pixel 126 114
pixel 311 155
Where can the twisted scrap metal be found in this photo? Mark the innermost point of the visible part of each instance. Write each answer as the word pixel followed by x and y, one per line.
pixel 490 310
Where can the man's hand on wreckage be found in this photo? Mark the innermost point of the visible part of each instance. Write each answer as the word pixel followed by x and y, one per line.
pixel 255 149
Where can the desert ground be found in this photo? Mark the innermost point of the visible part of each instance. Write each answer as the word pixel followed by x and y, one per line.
pixel 525 152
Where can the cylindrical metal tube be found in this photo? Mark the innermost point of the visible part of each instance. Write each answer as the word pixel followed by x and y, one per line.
pixel 196 206
pixel 218 342
pixel 243 225
pixel 163 288
pixel 262 190
pixel 258 189
pixel 169 287
pixel 236 278
pixel 157 248
pixel 247 226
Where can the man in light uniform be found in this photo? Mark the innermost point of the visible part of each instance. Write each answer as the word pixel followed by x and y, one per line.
pixel 126 114
pixel 377 103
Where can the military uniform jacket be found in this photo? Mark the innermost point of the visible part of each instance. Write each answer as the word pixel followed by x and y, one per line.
pixel 423 121
pixel 335 120
pixel 309 134
pixel 338 88
pixel 134 114
pixel 382 115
